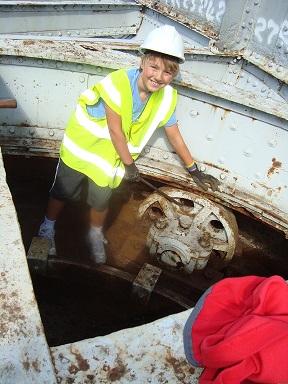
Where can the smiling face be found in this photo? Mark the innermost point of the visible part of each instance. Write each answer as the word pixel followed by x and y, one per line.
pixel 156 73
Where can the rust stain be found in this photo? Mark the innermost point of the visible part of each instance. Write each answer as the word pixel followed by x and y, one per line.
pixel 179 366
pixel 28 42
pixel 83 364
pixel 274 167
pixel 117 372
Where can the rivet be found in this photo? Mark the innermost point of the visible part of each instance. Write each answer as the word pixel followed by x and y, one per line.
pixel 78 33
pixel 51 132
pixel 272 143
pixel 27 143
pixel 165 156
pixel 40 62
pixel 20 59
pixel 59 64
pixel 194 113
pixel 185 221
pixel 247 152
pixel 255 84
pixel 279 69
pixel 221 160
pixel 161 223
pixel 81 79
pixel 31 131
pixel 243 24
pixel 99 69
pixel 251 21
pixel 12 130
pixel 146 150
pixel 263 90
pixel 233 127
pixel 209 137
pixel 69 33
pixel 202 168
pixel 247 10
pixel 204 242
pixel 249 79
pixel 223 176
pixel 60 34
pixel 79 67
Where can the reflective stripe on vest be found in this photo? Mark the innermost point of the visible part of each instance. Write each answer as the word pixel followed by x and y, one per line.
pixel 87 145
pixel 92 158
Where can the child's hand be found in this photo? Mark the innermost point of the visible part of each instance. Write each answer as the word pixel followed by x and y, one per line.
pixel 131 172
pixel 201 179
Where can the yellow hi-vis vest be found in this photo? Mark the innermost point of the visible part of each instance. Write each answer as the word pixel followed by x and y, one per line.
pixel 87 145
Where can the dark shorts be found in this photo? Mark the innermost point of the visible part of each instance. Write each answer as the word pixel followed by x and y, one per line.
pixel 68 184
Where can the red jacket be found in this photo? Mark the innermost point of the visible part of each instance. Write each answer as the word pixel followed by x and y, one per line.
pixel 238 331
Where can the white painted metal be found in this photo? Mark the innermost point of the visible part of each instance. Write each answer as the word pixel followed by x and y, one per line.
pixel 232 113
pixel 184 237
pixel 25 356
pixel 145 354
pixel 152 353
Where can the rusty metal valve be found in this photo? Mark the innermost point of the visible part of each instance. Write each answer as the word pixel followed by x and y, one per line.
pixel 175 246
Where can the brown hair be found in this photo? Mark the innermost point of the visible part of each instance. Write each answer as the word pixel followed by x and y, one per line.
pixel 171 63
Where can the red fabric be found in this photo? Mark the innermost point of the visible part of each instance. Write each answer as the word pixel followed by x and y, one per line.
pixel 241 333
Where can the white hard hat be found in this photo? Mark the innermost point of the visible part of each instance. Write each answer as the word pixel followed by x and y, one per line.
pixel 166 40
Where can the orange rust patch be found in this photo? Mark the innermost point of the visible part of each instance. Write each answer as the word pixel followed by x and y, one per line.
pixel 28 42
pixel 274 167
pixel 117 372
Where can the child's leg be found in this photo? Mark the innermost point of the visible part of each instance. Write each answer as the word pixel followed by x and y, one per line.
pixel 54 208
pixel 66 186
pixel 97 218
pixel 98 199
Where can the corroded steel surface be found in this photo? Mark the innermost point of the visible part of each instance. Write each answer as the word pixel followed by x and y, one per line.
pixel 185 236
pixel 148 353
pixel 25 356
pixel 105 54
pixel 232 112
pixel 152 353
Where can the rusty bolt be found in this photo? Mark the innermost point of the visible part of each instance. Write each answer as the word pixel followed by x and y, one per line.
pixel 161 223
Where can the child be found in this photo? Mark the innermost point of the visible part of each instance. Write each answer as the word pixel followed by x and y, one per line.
pixel 110 126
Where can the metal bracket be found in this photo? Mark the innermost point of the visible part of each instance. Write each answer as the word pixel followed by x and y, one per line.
pixel 38 255
pixel 145 282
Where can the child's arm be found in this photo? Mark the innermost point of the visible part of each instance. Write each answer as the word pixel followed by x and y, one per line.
pixel 114 123
pixel 176 140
